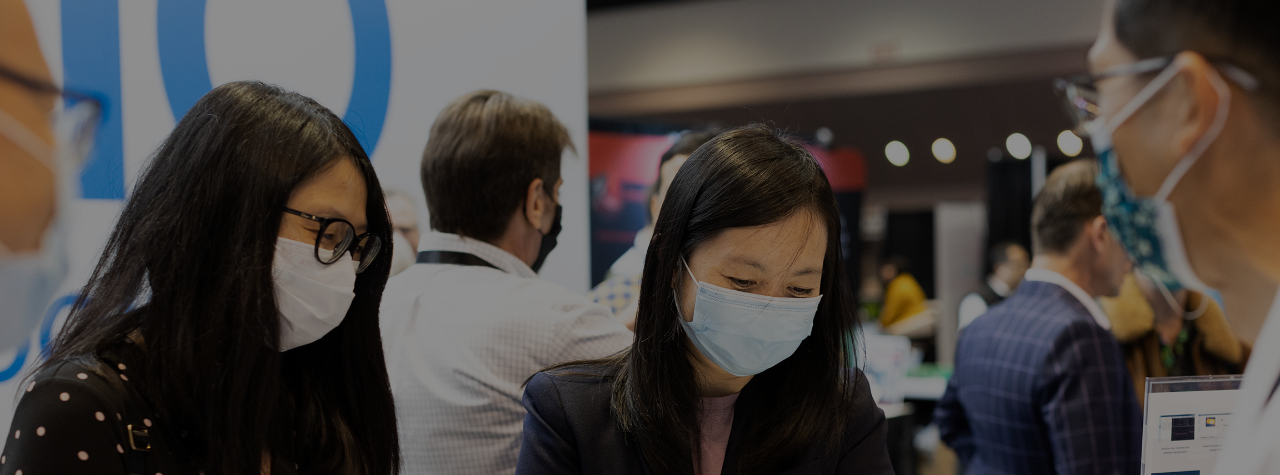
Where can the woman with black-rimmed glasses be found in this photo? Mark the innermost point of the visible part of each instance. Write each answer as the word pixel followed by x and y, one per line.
pixel 231 325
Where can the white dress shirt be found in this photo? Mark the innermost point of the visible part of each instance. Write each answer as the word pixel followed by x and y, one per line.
pixel 461 341
pixel 1044 275
pixel 1253 444
pixel 973 305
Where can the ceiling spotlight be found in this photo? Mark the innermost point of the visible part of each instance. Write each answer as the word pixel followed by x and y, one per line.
pixel 1019 146
pixel 897 153
pixel 944 150
pixel 1069 143
pixel 824 136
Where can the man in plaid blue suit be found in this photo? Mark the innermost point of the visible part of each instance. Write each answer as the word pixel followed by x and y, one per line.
pixel 1040 385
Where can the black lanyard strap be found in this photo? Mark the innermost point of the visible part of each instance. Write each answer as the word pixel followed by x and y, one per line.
pixel 452 257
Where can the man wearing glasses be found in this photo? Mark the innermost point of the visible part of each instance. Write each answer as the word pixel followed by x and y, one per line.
pixel 1183 109
pixel 32 189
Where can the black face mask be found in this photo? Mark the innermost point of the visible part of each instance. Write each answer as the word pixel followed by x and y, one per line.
pixel 548 241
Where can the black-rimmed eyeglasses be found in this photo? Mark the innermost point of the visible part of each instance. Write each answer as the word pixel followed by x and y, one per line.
pixel 76 124
pixel 337 236
pixel 1079 92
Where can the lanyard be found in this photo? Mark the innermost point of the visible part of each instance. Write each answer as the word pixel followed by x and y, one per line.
pixel 453 257
pixel 1255 423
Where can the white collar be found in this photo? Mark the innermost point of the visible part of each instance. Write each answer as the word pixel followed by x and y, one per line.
pixel 1045 275
pixel 643 236
pixel 1002 289
pixel 503 260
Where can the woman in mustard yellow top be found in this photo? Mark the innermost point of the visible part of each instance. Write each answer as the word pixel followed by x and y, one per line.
pixel 903 296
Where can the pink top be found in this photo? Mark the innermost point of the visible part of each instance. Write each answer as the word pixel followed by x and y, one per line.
pixel 715 419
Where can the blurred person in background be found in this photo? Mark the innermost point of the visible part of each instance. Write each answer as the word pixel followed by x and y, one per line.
pixel 1180 334
pixel 903 296
pixel 621 287
pixel 740 363
pixel 1009 261
pixel 1040 385
pixel 1182 105
pixel 231 325
pixel 471 321
pixel 404 220
pixel 38 179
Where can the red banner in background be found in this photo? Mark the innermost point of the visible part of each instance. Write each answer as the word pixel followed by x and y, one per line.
pixel 623 166
pixel 619 158
pixel 845 167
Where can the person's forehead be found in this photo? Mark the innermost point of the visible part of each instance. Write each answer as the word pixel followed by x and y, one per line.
pixel 1107 51
pixel 786 242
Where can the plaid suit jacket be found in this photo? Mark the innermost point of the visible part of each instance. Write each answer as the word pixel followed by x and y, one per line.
pixel 1041 388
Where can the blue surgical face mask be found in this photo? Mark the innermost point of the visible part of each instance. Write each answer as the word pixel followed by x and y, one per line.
pixel 1147 226
pixel 746 333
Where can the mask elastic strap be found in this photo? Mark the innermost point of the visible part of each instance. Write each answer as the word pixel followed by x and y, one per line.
pixel 26 139
pixel 1142 97
pixel 1219 122
pixel 690 271
pixel 1204 307
pixel 1173 303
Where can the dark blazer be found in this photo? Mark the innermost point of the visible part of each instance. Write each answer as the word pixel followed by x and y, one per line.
pixel 1041 388
pixel 570 430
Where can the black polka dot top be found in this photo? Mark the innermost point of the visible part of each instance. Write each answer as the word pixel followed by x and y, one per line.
pixel 80 416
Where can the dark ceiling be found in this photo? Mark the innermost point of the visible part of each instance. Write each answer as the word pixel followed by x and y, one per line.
pixel 975 119
pixel 594 6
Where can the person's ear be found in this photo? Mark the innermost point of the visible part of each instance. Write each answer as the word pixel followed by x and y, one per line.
pixel 1099 234
pixel 1193 102
pixel 534 207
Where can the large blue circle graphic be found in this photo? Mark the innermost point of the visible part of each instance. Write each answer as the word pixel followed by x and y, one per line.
pixel 185 69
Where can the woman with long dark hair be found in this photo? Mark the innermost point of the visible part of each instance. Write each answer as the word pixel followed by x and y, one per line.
pixel 741 362
pixel 231 325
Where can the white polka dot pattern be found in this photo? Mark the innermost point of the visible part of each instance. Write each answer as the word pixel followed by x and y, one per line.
pixel 59 437
pixel 121 366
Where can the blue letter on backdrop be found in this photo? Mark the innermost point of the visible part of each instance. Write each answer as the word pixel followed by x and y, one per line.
pixel 91 63
pixel 180 31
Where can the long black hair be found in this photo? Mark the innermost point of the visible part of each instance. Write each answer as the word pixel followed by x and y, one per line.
pixel 747 177
pixel 189 266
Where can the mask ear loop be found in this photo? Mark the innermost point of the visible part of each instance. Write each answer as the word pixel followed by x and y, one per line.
pixel 27 140
pixel 1204 307
pixel 1215 129
pixel 676 293
pixel 1173 303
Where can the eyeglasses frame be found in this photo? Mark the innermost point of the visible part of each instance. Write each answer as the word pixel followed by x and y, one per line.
pixel 1067 86
pixel 70 98
pixel 346 242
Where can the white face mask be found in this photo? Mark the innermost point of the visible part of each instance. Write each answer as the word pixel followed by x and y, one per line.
pixel 312 297
pixel 29 281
